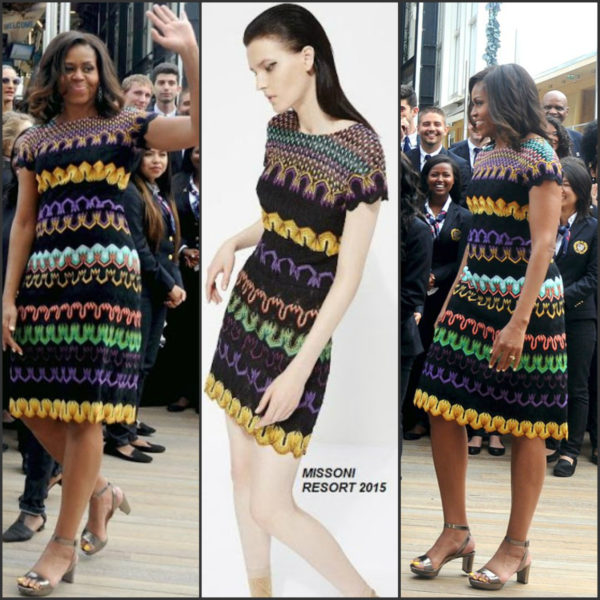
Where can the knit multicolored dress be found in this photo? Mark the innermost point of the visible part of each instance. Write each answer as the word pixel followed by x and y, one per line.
pixel 308 184
pixel 456 381
pixel 79 302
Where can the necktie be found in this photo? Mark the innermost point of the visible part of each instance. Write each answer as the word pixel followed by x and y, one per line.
pixel 406 146
pixel 476 151
pixel 195 200
pixel 565 231
pixel 434 222
pixel 167 212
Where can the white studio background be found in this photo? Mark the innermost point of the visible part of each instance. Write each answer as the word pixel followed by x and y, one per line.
pixel 357 426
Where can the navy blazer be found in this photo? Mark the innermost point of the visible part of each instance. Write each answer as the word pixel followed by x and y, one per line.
pixel 159 269
pixel 190 226
pixel 462 149
pixel 579 270
pixel 464 167
pixel 415 269
pixel 576 138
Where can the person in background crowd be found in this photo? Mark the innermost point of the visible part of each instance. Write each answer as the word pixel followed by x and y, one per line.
pixel 555 105
pixel 154 224
pixel 559 138
pixel 469 149
pixel 10 83
pixel 449 228
pixel 409 111
pixel 432 131
pixel 137 91
pixel 183 106
pixel 576 257
pixel 184 322
pixel 416 249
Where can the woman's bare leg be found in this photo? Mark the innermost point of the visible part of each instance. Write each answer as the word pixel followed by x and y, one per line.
pixel 527 470
pixel 256 543
pixel 272 506
pixel 81 458
pixel 450 458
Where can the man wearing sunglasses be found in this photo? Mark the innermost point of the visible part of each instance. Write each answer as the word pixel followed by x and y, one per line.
pixel 10 83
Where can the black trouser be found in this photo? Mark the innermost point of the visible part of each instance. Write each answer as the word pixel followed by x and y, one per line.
pixel 39 467
pixel 406 363
pixel 581 340
pixel 154 315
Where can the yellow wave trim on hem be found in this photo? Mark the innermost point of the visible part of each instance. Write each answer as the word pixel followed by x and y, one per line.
pixel 83 172
pixel 69 410
pixel 455 412
pixel 479 205
pixel 283 442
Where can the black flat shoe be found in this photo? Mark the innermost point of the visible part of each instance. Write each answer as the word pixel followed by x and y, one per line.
pixel 143 429
pixel 19 532
pixel 564 468
pixel 176 407
pixel 135 456
pixel 152 448
pixel 594 457
pixel 550 458
pixel 474 450
pixel 411 435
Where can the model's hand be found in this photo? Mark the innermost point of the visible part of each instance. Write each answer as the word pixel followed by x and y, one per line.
pixel 222 263
pixel 170 32
pixel 9 323
pixel 507 343
pixel 191 256
pixel 281 397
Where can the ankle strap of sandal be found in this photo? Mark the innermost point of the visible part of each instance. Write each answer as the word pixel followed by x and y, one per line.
pixel 63 541
pixel 452 526
pixel 98 494
pixel 524 544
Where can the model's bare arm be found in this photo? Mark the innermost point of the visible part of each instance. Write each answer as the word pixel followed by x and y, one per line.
pixel 224 259
pixel 22 234
pixel 544 216
pixel 283 395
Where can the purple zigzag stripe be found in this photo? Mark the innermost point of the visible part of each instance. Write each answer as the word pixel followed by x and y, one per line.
pixel 294 270
pixel 69 206
pixel 308 400
pixel 496 238
pixel 85 353
pixel 67 375
pixel 251 374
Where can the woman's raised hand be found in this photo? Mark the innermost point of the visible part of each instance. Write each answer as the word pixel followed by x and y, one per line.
pixel 222 263
pixel 170 32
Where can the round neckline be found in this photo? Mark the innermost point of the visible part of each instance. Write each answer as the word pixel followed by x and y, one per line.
pixel 296 128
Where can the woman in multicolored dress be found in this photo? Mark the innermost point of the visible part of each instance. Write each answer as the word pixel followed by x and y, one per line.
pixel 320 193
pixel 71 303
pixel 498 357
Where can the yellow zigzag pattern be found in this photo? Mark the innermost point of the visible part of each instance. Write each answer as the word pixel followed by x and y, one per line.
pixel 282 441
pixel 83 172
pixel 499 207
pixel 75 222
pixel 304 236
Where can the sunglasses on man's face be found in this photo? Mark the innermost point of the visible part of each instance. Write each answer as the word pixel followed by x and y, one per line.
pixel 7 80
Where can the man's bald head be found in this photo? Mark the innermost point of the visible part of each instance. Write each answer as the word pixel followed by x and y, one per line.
pixel 555 105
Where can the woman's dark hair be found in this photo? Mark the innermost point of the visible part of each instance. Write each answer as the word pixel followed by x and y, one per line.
pixel 513 102
pixel 580 181
pixel 298 27
pixel 411 199
pixel 43 97
pixel 589 146
pixel 437 160
pixel 155 226
pixel 186 164
pixel 565 145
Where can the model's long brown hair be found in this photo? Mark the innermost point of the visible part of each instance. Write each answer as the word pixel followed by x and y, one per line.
pixel 513 102
pixel 43 97
pixel 155 226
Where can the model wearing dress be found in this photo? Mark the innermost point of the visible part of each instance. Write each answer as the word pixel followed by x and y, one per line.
pixel 79 302
pixel 456 381
pixel 308 184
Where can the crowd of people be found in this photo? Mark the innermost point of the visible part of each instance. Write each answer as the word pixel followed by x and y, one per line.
pixel 499 310
pixel 96 260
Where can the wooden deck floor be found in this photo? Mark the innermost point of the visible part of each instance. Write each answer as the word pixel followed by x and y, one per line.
pixel 563 535
pixel 152 552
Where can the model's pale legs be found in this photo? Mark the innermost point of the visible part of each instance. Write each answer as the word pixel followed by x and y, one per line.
pixel 450 457
pixel 272 509
pixel 79 450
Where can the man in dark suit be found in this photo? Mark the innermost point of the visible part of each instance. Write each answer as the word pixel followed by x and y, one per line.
pixel 469 148
pixel 432 130
pixel 555 105
pixel 409 111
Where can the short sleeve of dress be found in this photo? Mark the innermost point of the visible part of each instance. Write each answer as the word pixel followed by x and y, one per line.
pixel 367 180
pixel 26 155
pixel 136 124
pixel 542 164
